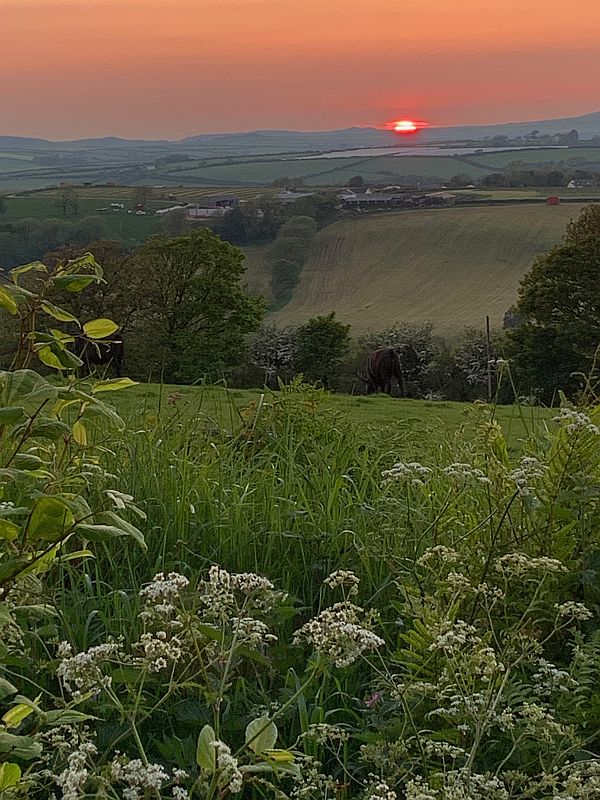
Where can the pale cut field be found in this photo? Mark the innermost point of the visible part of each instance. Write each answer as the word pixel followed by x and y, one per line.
pixel 448 266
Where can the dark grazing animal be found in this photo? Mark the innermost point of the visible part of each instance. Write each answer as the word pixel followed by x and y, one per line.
pixel 382 367
pixel 388 363
pixel 101 354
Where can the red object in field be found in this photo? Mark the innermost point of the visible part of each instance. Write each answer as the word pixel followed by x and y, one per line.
pixel 554 200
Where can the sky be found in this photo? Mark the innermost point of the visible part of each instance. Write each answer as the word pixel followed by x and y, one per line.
pixel 173 68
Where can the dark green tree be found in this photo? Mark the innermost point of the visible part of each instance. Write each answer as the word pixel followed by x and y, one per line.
pixel 322 343
pixel 559 304
pixel 198 314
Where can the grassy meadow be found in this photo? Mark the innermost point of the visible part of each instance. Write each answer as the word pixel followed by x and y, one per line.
pixel 422 550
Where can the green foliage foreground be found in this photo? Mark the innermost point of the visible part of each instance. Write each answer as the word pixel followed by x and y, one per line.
pixel 290 604
pixel 316 615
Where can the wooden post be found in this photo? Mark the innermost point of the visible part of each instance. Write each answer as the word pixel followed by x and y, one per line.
pixel 488 350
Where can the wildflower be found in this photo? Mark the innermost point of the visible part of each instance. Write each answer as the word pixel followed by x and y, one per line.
pixel 443 749
pixel 337 634
pixel 322 733
pixel 465 473
pixel 164 587
pixel 452 636
pixel 528 471
pixel 573 610
pixel 81 673
pixel 519 564
pixel 549 678
pixel 574 421
pixel 412 471
pixel 179 793
pixel 230 776
pixel 252 632
pixel 379 790
pixel 139 777
pixel 72 780
pixel 160 650
pixel 343 577
pixel 373 699
pixel 439 552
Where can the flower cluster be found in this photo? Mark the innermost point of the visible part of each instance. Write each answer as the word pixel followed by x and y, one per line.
pixel 344 578
pixel 519 564
pixel 575 421
pixel 573 610
pixel 525 475
pixel 72 780
pixel 81 673
pixel 412 472
pixel 220 592
pixel 230 777
pixel 437 553
pixel 379 790
pixel 337 634
pixel 465 473
pixel 160 650
pixel 138 777
pixel 322 733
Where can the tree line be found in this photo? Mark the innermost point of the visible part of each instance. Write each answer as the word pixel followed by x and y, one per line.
pixel 186 317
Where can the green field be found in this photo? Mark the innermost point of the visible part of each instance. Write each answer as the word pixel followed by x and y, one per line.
pixel 450 266
pixel 415 418
pixel 334 171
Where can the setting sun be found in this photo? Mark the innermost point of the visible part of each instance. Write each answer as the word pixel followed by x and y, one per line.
pixel 405 126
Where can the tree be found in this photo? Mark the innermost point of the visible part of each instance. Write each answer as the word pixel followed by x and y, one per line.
pixel 559 302
pixel 120 296
pixel 322 343
pixel 357 182
pixel 69 201
pixel 198 314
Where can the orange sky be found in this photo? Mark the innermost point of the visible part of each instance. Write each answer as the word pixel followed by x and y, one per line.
pixel 170 68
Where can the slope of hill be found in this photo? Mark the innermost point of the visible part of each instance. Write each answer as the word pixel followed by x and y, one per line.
pixel 449 266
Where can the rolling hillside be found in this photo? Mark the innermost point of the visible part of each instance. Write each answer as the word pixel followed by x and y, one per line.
pixel 450 266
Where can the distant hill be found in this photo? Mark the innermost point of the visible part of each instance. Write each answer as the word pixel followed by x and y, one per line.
pixel 451 266
pixel 278 141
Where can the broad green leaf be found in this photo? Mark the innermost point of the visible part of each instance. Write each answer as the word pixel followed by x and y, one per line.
pixel 104 533
pixel 41 564
pixel 61 336
pixel 55 355
pixel 11 415
pixel 206 755
pixel 79 433
pixel 47 357
pixel 7 301
pixel 85 263
pixel 261 735
pixel 113 385
pixel 19 746
pixel 78 554
pixel 10 775
pixel 73 283
pixel 15 715
pixel 100 328
pixel 37 266
pixel 66 717
pixel 8 530
pixel 58 313
pixel 28 462
pixel 279 756
pixel 49 520
pixel 6 688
